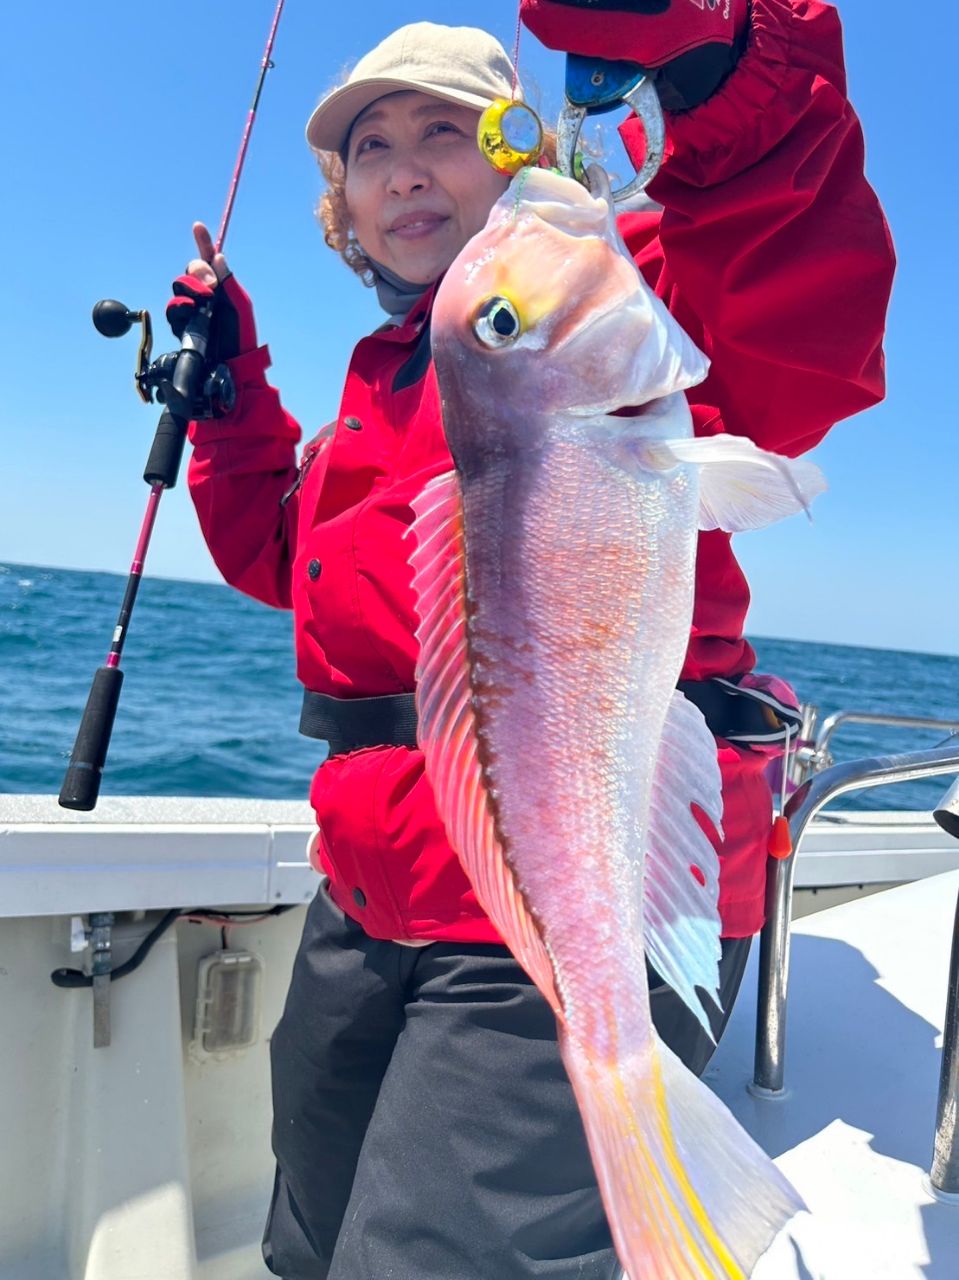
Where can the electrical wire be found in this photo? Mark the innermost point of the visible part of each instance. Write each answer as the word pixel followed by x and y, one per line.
pixel 69 978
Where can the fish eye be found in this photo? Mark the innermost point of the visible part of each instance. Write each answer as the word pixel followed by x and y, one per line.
pixel 497 323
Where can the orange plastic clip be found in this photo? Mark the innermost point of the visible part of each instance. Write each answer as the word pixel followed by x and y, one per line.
pixel 780 842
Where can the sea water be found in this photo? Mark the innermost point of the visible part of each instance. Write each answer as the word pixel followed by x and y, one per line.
pixel 210 705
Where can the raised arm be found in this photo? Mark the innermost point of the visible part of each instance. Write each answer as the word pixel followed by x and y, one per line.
pixel 772 249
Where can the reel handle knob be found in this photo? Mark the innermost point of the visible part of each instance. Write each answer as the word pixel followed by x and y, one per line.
pixel 113 319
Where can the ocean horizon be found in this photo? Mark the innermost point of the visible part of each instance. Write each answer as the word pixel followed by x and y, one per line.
pixel 210 704
pixel 10 565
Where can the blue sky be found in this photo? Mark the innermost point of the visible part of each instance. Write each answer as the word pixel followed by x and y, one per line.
pixel 120 126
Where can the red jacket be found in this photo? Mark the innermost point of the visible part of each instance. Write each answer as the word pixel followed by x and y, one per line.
pixel 773 254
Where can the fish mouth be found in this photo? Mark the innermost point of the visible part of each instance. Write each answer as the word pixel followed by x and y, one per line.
pixel 631 410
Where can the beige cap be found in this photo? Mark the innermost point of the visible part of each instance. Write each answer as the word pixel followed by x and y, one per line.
pixel 458 64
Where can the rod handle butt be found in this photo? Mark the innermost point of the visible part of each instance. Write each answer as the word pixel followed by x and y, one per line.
pixel 81 782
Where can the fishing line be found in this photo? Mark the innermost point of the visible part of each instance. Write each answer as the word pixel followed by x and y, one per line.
pixel 780 844
pixel 510 133
pixel 519 28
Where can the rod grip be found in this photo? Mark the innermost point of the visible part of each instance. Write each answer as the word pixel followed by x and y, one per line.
pixel 81 782
pixel 163 464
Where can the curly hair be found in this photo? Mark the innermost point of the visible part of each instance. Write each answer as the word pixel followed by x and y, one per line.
pixel 334 216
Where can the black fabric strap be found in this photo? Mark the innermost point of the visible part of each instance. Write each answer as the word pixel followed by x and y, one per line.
pixel 350 723
pixel 740 715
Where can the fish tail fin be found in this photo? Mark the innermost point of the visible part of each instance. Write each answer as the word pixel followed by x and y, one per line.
pixel 688 1194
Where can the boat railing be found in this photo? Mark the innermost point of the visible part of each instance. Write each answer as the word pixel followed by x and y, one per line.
pixel 832 722
pixel 812 753
pixel 944 1174
pixel 816 790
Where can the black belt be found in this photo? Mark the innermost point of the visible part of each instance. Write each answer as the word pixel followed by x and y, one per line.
pixel 348 724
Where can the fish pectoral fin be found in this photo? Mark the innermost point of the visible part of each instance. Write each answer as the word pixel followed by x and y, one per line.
pixel 446 729
pixel 681 875
pixel 740 485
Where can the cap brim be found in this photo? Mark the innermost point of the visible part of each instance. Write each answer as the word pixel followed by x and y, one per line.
pixel 329 126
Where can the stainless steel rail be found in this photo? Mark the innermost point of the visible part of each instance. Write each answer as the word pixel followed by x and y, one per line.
pixel 874 771
pixel 832 722
pixel 803 758
pixel 944 1174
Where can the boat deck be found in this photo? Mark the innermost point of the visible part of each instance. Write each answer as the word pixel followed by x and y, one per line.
pixel 148 1158
pixel 854 1131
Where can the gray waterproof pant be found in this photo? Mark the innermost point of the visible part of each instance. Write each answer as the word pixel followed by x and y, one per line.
pixel 423 1124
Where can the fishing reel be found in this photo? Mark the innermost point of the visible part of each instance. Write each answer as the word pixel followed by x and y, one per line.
pixel 212 397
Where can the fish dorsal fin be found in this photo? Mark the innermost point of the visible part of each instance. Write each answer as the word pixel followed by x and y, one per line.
pixel 447 729
pixel 681 880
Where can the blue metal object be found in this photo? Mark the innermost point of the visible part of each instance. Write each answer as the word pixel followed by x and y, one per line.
pixel 597 85
pixel 594 86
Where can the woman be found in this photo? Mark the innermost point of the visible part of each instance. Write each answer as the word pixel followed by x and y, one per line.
pixel 423 1125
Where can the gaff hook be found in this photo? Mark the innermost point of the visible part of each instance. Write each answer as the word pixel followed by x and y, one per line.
pixel 594 86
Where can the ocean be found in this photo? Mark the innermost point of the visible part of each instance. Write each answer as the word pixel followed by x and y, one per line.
pixel 210 705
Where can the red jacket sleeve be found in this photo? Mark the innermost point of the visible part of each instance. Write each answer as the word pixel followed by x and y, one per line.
pixel 772 249
pixel 242 466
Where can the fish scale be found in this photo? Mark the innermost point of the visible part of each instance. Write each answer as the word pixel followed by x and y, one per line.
pixel 554 699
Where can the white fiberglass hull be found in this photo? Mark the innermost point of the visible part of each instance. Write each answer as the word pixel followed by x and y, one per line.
pixel 147 1159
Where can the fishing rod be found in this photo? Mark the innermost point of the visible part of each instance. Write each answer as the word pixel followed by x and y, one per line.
pixel 188 389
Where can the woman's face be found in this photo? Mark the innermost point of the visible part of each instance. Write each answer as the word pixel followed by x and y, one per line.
pixel 417 185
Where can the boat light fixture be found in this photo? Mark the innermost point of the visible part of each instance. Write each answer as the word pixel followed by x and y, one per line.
pixel 227 1016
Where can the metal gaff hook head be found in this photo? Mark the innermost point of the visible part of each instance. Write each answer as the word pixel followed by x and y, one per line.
pixel 594 86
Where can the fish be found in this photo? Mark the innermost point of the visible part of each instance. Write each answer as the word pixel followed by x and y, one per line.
pixel 553 572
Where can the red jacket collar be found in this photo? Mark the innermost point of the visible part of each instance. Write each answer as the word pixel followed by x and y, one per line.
pixel 413 324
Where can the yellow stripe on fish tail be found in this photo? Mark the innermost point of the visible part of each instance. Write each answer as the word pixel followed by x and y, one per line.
pixel 688 1194
pixel 688 1231
pixel 730 1267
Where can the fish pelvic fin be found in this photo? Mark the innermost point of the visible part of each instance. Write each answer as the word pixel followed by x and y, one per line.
pixel 740 485
pixel 446 730
pixel 688 1194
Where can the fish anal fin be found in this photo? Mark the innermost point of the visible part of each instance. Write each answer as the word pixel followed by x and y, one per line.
pixel 447 726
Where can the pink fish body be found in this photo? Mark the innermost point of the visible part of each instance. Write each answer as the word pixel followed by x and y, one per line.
pixel 554 579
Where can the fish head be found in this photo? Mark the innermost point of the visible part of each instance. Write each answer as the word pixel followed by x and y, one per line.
pixel 545 310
